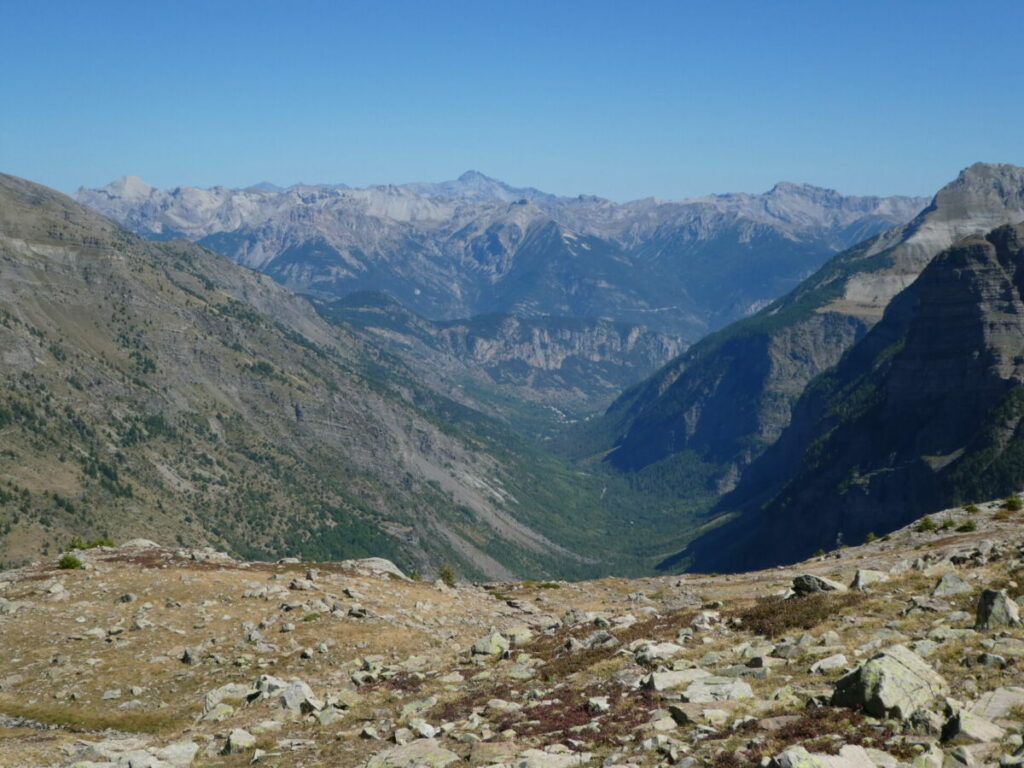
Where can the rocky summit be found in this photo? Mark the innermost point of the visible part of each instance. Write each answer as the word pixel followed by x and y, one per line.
pixel 901 653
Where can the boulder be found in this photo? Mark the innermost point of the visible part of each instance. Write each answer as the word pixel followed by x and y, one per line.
pixel 232 691
pixel 894 683
pixel 668 681
pixel 996 609
pixel 375 566
pixel 999 703
pixel 491 645
pixel 964 727
pixel 951 585
pixel 798 757
pixel 239 740
pixel 864 578
pixel 709 689
pixel 651 653
pixel 807 584
pixel 298 697
pixel 829 664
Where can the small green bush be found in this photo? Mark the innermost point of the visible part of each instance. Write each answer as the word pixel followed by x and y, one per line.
pixel 1013 503
pixel 968 526
pixel 971 509
pixel 69 562
pixel 447 574
pixel 926 525
pixel 870 537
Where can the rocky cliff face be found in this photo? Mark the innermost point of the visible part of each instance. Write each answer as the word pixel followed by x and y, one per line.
pixel 730 396
pixel 476 246
pixel 574 366
pixel 925 412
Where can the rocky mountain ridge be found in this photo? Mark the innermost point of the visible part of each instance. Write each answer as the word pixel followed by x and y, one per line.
pixel 922 413
pixel 730 396
pixel 179 658
pixel 571 365
pixel 475 245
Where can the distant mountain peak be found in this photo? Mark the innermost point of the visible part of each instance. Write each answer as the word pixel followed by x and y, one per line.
pixel 131 187
pixel 265 186
pixel 476 176
pixel 792 187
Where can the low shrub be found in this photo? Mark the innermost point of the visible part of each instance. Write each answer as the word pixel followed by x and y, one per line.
pixel 774 616
pixel 69 562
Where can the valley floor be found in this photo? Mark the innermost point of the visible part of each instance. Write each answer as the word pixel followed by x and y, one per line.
pixel 157 657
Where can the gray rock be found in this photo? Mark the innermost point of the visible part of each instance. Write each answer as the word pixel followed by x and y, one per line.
pixel 864 578
pixel 669 681
pixel 233 691
pixel 965 727
pixel 999 703
pixel 298 697
pixel 598 704
pixel 951 585
pixel 491 645
pixel 798 757
pixel 239 740
pixel 709 689
pixel 807 584
pixel 894 683
pixel 996 609
pixel 829 664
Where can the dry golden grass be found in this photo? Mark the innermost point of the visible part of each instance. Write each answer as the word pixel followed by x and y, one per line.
pixel 81 718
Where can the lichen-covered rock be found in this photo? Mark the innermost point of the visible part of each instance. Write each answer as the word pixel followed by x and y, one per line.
pixel 807 584
pixel 668 681
pixel 894 683
pixel 996 609
pixel 798 757
pixel 717 689
pixel 239 740
pixel 864 578
pixel 999 703
pixel 951 585
pixel 964 727
pixel 491 645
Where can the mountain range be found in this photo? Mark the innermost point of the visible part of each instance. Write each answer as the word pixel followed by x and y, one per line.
pixel 157 388
pixel 151 382
pixel 925 412
pixel 716 408
pixel 477 246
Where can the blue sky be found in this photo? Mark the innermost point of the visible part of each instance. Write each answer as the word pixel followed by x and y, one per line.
pixel 619 99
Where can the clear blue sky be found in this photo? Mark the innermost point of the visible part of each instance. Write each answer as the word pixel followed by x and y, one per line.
pixel 620 99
